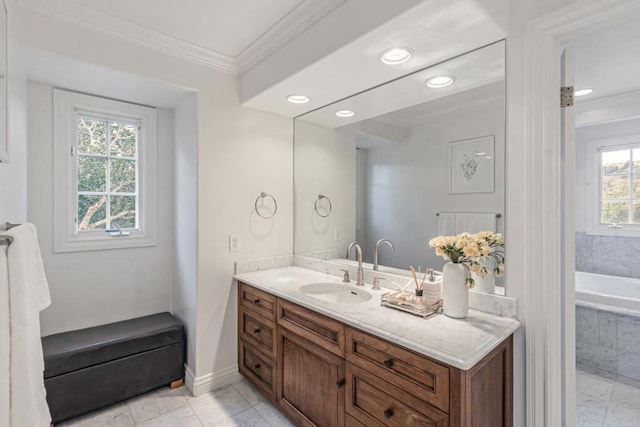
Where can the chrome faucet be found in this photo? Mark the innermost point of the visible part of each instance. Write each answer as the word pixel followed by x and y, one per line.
pixel 375 253
pixel 360 275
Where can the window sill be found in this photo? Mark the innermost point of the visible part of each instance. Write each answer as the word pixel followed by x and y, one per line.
pixel 93 243
pixel 614 232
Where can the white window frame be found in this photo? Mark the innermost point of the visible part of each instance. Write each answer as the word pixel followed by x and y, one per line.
pixel 593 187
pixel 66 106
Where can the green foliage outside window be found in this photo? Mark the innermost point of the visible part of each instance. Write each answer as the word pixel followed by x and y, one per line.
pixel 107 173
pixel 620 186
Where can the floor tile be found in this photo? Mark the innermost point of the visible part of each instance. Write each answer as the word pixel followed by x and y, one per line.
pixel 247 418
pixel 183 417
pixel 218 405
pixel 113 416
pixel 274 417
pixel 620 416
pixel 249 392
pixel 591 386
pixel 626 394
pixel 156 403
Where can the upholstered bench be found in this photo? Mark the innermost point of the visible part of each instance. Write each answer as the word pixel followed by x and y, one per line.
pixel 94 367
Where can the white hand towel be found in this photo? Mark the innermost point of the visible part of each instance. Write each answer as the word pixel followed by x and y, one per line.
pixel 446 224
pixel 29 294
pixel 475 222
pixel 5 341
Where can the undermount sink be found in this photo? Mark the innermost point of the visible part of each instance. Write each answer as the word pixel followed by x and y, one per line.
pixel 336 292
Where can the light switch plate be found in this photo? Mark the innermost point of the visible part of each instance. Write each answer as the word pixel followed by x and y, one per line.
pixel 234 243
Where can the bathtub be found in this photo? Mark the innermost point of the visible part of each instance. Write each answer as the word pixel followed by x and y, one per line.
pixel 613 293
pixel 608 323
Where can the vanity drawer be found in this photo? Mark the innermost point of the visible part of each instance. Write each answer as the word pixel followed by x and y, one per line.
pixel 257 301
pixel 373 401
pixel 321 330
pixel 422 377
pixel 258 331
pixel 259 369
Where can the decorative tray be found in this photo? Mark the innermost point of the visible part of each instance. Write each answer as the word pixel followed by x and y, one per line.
pixel 409 302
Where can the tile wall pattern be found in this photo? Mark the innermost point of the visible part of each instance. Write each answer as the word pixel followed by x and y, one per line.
pixel 615 256
pixel 608 341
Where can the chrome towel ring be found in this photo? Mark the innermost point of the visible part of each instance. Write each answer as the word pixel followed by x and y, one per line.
pixel 261 197
pixel 318 200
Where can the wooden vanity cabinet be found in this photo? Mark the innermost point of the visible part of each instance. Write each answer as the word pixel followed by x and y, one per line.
pixel 321 372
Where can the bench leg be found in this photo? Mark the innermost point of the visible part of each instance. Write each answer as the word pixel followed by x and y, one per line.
pixel 177 383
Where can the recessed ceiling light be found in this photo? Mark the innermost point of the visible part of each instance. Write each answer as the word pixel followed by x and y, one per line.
pixel 345 113
pixel 440 81
pixel 298 99
pixel 583 92
pixel 396 55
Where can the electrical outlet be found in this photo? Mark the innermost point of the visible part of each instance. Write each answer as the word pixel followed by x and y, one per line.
pixel 234 243
pixel 336 234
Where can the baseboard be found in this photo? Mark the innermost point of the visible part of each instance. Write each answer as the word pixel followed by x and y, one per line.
pixel 206 383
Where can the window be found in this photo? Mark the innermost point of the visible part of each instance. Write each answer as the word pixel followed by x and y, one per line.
pixel 614 186
pixel 105 173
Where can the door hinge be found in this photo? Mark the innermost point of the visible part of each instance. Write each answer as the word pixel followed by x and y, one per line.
pixel 566 96
pixel 73 151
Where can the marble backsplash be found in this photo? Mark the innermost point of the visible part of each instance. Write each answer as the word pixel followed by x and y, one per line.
pixel 612 255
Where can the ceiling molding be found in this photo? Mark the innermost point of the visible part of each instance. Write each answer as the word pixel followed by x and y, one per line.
pixel 290 26
pixel 608 109
pixel 119 28
pixel 279 34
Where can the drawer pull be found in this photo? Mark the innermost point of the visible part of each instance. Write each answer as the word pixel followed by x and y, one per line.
pixel 388 363
pixel 256 331
pixel 340 383
pixel 256 301
pixel 256 366
pixel 388 413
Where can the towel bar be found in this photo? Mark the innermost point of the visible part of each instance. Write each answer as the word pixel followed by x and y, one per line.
pixel 6 240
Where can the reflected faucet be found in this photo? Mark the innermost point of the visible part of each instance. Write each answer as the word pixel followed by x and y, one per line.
pixel 375 253
pixel 360 275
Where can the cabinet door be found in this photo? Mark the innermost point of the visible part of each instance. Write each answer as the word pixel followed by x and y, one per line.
pixel 310 382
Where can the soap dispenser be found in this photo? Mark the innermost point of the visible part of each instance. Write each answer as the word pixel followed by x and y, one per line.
pixel 432 288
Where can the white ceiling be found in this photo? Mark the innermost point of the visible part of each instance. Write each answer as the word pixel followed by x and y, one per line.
pixel 435 30
pixel 608 61
pixel 401 97
pixel 231 35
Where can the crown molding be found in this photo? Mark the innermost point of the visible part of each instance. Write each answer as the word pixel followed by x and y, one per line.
pixel 295 22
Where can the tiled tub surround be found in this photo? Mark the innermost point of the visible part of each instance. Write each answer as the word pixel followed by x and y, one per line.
pixel 458 342
pixel 608 341
pixel 617 256
pixel 489 303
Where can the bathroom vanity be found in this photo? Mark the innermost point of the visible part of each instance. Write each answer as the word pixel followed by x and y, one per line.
pixel 356 363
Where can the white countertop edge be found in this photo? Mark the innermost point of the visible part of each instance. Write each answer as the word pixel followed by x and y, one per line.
pixel 424 349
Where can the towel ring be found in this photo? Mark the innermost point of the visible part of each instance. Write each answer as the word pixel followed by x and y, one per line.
pixel 318 200
pixel 275 204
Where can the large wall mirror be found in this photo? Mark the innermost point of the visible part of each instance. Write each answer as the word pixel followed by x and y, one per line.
pixel 409 160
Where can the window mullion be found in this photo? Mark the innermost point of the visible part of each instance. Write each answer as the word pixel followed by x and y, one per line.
pixel 108 180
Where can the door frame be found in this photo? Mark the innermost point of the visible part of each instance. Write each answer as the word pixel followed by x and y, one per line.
pixel 543 41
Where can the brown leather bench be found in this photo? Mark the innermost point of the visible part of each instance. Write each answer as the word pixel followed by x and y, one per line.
pixel 95 367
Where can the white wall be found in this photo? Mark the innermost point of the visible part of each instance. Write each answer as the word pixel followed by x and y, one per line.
pixel 241 152
pixel 325 163
pixel 407 184
pixel 13 175
pixel 184 296
pixel 96 287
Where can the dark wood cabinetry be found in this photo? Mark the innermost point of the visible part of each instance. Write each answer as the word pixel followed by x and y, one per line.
pixel 321 372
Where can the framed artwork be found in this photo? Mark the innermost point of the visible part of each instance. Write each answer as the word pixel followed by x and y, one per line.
pixel 471 166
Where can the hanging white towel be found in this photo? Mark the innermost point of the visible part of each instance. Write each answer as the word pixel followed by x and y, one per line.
pixel 28 295
pixel 475 222
pixel 446 224
pixel 5 341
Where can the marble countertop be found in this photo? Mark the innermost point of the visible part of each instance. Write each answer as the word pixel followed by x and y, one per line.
pixel 457 342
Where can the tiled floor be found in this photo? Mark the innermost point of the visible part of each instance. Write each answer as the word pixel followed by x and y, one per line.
pixel 604 399
pixel 239 404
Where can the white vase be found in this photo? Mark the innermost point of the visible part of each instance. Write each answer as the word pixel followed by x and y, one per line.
pixel 455 294
pixel 485 284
